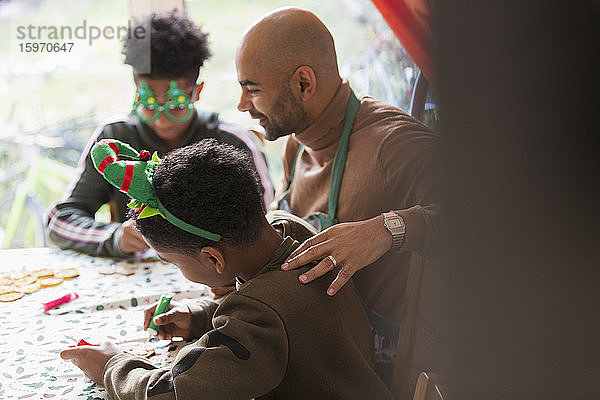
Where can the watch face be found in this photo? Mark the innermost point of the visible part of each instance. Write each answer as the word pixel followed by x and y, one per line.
pixel 394 223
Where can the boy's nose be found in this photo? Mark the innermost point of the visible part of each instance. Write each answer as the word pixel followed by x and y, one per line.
pixel 163 121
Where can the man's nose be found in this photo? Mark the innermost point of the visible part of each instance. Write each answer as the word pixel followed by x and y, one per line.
pixel 245 103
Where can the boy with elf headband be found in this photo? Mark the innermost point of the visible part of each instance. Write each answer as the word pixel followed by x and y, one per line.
pixel 163 117
pixel 201 209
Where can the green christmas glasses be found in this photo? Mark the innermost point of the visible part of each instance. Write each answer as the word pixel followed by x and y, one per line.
pixel 178 106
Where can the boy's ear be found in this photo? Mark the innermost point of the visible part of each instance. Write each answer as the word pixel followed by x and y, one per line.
pixel 196 95
pixel 215 257
pixel 304 82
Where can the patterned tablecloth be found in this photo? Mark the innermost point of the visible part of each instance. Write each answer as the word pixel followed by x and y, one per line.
pixel 108 307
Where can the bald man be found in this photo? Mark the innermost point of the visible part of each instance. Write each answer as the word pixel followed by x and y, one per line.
pixel 287 68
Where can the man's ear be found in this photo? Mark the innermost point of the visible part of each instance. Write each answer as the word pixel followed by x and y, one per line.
pixel 304 82
pixel 215 257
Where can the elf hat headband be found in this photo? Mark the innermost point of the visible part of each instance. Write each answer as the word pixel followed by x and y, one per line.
pixel 132 172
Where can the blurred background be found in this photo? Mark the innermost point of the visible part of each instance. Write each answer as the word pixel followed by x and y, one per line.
pixel 56 99
pixel 515 295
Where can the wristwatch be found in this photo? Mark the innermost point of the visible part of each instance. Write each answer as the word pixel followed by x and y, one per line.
pixel 395 225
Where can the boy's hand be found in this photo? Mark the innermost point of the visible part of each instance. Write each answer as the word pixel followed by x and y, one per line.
pixel 91 359
pixel 223 291
pixel 131 240
pixel 175 322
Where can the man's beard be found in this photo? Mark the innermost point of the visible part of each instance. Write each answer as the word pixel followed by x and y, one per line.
pixel 286 117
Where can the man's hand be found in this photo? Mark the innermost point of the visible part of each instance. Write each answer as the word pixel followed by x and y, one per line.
pixel 353 246
pixel 175 322
pixel 131 240
pixel 91 359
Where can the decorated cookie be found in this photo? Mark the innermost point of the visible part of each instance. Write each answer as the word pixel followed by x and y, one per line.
pixel 108 270
pixel 33 287
pixel 47 282
pixel 67 273
pixel 145 350
pixel 15 275
pixel 27 280
pixel 6 288
pixel 43 273
pixel 124 270
pixel 11 296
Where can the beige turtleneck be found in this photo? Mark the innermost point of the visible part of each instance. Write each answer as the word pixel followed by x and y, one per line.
pixel 391 165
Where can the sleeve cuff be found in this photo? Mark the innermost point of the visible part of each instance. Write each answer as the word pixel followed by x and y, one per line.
pixel 116 235
pixel 415 228
pixel 112 366
pixel 116 359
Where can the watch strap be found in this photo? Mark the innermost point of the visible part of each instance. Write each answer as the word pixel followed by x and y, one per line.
pixel 395 225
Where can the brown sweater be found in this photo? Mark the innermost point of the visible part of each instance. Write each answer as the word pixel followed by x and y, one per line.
pixel 275 338
pixel 391 166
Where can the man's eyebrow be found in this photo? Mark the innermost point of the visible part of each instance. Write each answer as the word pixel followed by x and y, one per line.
pixel 246 82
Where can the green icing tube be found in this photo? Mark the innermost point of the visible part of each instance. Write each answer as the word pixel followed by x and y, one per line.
pixel 161 308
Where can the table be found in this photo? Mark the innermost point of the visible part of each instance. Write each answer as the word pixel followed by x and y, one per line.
pixel 108 307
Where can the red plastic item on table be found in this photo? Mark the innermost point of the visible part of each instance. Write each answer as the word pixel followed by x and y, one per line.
pixel 84 343
pixel 61 300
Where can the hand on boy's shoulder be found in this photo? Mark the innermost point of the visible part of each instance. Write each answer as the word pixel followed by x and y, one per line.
pixel 343 246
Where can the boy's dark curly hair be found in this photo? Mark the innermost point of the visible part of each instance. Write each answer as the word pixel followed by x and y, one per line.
pixel 211 185
pixel 178 48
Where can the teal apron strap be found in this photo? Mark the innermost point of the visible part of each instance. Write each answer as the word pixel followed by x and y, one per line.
pixel 341 154
pixel 337 168
pixel 293 170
